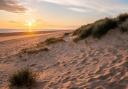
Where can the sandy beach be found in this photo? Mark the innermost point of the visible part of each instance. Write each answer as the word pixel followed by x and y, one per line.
pixel 10 45
pixel 90 64
pixel 63 44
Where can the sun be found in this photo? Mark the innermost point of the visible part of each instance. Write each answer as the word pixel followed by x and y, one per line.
pixel 30 24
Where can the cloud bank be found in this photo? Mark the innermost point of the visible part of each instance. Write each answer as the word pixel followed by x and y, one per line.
pixel 99 6
pixel 11 6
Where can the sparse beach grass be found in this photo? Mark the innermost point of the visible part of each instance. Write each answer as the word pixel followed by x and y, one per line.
pixel 42 46
pixel 22 78
pixel 53 40
pixel 99 28
pixel 34 50
pixel 49 41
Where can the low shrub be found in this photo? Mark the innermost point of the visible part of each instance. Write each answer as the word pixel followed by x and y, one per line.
pixel 22 78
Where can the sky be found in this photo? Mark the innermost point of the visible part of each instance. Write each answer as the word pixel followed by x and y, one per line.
pixel 56 14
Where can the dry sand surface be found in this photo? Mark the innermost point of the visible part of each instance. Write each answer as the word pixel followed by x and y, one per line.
pixel 12 44
pixel 88 64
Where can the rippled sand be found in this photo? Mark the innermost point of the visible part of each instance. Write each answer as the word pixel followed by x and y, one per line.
pixel 90 64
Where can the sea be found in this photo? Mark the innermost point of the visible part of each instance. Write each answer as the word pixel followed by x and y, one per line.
pixel 10 30
pixel 21 30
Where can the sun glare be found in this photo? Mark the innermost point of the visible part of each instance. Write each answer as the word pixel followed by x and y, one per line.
pixel 30 24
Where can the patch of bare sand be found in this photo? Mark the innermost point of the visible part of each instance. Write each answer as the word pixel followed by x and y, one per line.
pixel 14 44
pixel 94 64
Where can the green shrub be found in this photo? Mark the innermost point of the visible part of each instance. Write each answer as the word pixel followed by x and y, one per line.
pixel 22 78
pixel 101 27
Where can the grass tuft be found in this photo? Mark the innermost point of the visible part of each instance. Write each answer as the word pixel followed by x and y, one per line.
pixel 101 27
pixel 77 31
pixel 86 32
pixel 67 33
pixel 22 78
pixel 41 46
pixel 35 49
pixel 53 40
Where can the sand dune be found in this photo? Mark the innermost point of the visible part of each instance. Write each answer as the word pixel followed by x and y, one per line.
pixel 90 64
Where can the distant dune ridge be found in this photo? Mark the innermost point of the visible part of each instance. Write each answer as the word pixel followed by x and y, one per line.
pixel 101 27
pixel 95 56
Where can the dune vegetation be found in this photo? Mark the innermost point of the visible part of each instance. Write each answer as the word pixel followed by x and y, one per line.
pixel 22 78
pixel 35 49
pixel 51 40
pixel 101 27
pixel 42 46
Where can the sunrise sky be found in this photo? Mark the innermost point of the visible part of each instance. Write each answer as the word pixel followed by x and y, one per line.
pixel 47 14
